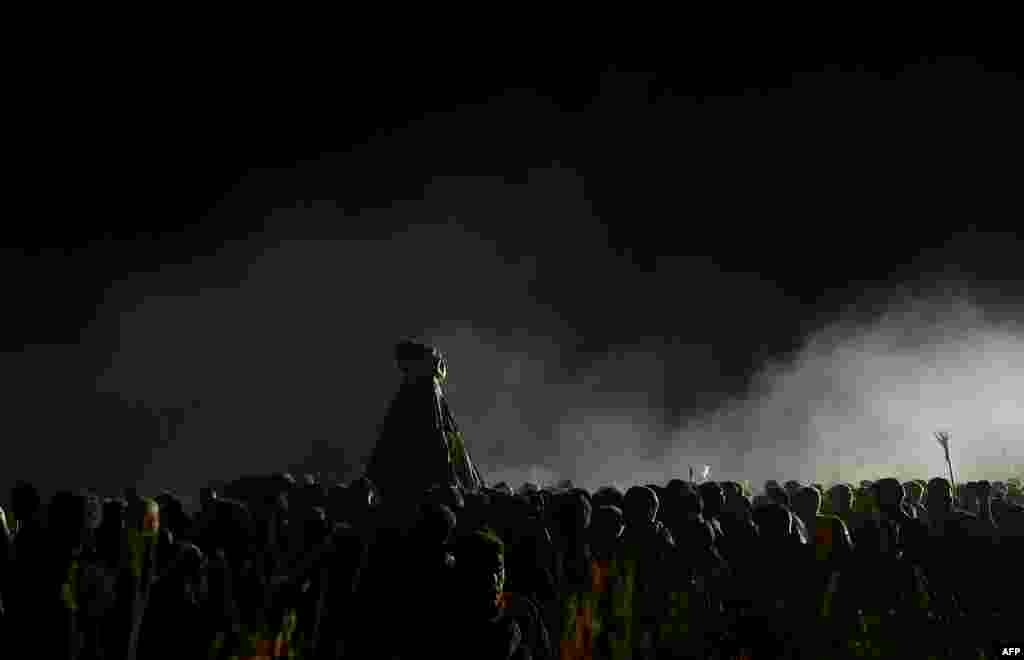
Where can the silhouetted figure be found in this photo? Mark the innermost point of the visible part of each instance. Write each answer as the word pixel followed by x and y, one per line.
pixel 645 553
pixel 827 558
pixel 484 629
pixel 343 611
pixel 530 556
pixel 571 516
pixel 839 502
pixel 30 553
pixel 776 592
pixel 420 444
pixel 739 547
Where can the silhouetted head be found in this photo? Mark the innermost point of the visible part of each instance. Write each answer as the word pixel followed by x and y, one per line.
pixel 480 569
pixel 573 513
pixel 435 525
pixel 888 494
pixel 712 498
pixel 172 514
pixel 657 490
pixel 840 499
pixel 114 513
pixel 774 521
pixel 608 496
pixel 676 484
pixel 640 506
pixel 233 529
pixel 67 518
pixel 807 503
pixel 419 361
pixel 938 496
pixel 315 526
pixel 26 503
pixel 191 564
pixel 607 524
pixel 864 500
pixel 145 513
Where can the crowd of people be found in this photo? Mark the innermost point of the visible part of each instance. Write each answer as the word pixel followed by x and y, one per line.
pixel 279 567
pixel 420 558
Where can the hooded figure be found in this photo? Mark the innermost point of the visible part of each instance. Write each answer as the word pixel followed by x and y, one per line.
pixel 420 445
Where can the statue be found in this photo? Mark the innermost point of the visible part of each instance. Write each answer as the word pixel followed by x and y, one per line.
pixel 419 445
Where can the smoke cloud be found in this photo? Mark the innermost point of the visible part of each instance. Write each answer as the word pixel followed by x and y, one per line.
pixel 297 356
pixel 859 401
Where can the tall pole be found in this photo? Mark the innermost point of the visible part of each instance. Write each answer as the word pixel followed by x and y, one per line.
pixel 943 438
pixel 952 479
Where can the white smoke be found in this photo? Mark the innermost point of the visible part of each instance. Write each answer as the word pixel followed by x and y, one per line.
pixel 858 402
pixel 300 352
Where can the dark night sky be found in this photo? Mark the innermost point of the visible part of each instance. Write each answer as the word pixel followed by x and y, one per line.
pixel 603 254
